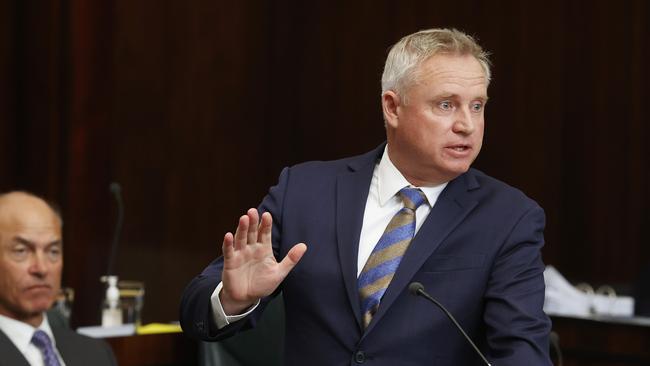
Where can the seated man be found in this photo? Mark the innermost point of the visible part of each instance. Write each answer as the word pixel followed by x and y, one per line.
pixel 31 260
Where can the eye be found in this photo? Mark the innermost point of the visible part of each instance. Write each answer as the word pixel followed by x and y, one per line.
pixel 477 107
pixel 19 252
pixel 54 253
pixel 445 105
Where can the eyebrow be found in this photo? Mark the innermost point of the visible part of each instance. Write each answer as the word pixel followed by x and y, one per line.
pixel 454 95
pixel 19 239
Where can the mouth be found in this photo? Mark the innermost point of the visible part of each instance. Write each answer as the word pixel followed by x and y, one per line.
pixel 42 287
pixel 460 148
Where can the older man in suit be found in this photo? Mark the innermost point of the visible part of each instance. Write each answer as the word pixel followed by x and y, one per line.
pixel 411 210
pixel 31 260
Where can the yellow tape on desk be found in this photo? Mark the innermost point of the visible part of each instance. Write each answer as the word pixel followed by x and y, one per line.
pixel 158 328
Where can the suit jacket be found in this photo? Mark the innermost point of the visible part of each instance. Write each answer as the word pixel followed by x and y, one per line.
pixel 478 253
pixel 75 349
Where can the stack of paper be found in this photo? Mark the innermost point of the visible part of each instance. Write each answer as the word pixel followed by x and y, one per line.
pixel 562 298
pixel 107 332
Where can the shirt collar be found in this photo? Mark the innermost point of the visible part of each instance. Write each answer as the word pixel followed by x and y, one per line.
pixel 390 181
pixel 21 333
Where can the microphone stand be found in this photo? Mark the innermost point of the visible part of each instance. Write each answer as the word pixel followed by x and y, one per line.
pixel 417 289
pixel 116 190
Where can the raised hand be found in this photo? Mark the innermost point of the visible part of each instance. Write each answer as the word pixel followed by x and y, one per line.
pixel 250 270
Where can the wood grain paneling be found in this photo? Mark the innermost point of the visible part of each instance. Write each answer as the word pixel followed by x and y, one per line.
pixel 194 107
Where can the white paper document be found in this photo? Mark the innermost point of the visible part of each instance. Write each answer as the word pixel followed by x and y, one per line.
pixel 562 298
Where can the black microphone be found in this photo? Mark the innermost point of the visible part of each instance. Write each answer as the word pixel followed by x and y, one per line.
pixel 417 289
pixel 116 190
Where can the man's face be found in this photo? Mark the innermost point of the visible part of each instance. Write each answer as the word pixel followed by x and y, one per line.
pixel 435 130
pixel 30 259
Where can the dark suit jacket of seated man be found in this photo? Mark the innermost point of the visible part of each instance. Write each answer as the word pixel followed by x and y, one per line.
pixel 31 260
pixel 476 250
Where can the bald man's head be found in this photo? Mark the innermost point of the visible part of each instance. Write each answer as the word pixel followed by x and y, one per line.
pixel 27 201
pixel 31 256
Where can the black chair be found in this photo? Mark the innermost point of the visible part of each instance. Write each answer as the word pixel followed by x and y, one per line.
pixel 262 345
pixel 642 293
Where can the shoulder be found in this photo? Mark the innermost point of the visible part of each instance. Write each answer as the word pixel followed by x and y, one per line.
pixel 70 336
pixel 492 190
pixel 10 354
pixel 332 168
pixel 301 184
pixel 79 349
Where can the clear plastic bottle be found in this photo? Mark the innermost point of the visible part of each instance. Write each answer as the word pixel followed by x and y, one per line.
pixel 111 309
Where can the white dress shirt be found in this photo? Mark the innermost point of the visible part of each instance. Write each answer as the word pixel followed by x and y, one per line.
pixel 382 204
pixel 21 335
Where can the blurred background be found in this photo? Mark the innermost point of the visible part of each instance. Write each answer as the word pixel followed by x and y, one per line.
pixel 194 107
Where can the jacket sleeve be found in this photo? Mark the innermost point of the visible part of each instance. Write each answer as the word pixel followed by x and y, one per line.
pixel 195 308
pixel 517 327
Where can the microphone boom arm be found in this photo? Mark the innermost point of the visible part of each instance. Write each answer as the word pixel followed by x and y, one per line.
pixel 116 190
pixel 417 289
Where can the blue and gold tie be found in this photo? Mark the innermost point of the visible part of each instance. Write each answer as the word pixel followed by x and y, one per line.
pixel 42 341
pixel 387 254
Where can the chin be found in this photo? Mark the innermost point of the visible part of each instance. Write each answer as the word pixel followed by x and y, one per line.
pixel 455 171
pixel 39 305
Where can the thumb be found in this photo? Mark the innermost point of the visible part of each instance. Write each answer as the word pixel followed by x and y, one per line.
pixel 293 257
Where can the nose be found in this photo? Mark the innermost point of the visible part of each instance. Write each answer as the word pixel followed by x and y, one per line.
pixel 464 122
pixel 39 264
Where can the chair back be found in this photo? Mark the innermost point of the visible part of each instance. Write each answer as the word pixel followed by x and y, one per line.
pixel 262 345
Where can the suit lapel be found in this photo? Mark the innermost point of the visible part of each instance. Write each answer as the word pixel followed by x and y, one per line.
pixel 352 189
pixel 450 210
pixel 9 354
pixel 67 351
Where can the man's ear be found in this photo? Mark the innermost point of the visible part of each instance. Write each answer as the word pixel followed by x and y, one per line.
pixel 391 104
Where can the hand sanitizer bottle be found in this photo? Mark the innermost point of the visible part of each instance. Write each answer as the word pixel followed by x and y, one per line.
pixel 111 310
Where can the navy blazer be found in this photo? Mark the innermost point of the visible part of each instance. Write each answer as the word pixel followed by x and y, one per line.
pixel 478 253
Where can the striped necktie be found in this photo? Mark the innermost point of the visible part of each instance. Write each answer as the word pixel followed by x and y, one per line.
pixel 387 254
pixel 42 341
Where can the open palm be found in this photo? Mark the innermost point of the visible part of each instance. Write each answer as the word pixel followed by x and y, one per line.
pixel 250 270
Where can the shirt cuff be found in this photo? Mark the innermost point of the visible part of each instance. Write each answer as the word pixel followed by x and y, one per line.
pixel 220 317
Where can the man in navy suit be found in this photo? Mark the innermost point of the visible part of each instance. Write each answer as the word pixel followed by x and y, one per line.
pixel 476 247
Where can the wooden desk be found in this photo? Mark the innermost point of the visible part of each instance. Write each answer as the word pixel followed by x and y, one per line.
pixel 604 341
pixel 170 349
pixel 584 342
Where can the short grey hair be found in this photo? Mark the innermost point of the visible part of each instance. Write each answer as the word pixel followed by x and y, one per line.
pixel 411 51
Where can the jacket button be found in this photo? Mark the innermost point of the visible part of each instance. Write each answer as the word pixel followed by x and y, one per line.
pixel 359 357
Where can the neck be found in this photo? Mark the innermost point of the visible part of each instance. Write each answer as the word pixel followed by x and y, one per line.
pixel 33 320
pixel 415 176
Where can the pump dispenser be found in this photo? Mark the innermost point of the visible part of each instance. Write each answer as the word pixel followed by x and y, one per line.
pixel 111 311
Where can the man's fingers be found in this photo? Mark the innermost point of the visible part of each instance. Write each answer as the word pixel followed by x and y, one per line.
pixel 227 246
pixel 265 229
pixel 253 218
pixel 241 235
pixel 293 257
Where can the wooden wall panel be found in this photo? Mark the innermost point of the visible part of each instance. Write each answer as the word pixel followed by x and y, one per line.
pixel 30 40
pixel 195 107
pixel 7 94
